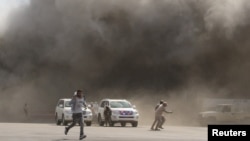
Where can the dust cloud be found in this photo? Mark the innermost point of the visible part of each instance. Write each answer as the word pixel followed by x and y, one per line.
pixel 143 50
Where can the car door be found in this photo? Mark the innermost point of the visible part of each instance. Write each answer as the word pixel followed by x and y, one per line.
pixel 101 108
pixel 60 107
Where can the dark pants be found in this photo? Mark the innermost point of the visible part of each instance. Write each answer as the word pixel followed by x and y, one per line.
pixel 107 116
pixel 108 120
pixel 77 117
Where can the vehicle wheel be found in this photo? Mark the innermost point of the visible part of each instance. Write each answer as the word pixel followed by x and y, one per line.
pixel 88 123
pixel 101 123
pixel 135 124
pixel 123 124
pixel 65 123
pixel 58 122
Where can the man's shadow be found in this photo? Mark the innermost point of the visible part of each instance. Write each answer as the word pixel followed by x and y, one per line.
pixel 66 140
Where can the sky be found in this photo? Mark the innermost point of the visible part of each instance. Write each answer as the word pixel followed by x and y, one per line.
pixel 6 6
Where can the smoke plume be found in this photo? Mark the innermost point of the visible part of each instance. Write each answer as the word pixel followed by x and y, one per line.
pixel 166 49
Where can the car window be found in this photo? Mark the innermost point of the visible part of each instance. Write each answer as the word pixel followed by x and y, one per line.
pixel 60 102
pixel 103 103
pixel 120 104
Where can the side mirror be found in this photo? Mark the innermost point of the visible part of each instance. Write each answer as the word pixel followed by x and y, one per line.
pixel 89 106
pixel 134 106
pixel 61 106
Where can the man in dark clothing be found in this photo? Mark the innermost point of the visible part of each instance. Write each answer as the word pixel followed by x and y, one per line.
pixel 107 115
pixel 25 108
pixel 77 102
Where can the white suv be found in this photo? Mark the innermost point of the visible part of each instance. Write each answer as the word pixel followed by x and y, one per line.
pixel 63 113
pixel 122 112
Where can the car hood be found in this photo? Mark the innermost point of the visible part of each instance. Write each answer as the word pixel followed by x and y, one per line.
pixel 69 108
pixel 123 109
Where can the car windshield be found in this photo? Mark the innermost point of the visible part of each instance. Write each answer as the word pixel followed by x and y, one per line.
pixel 67 104
pixel 120 104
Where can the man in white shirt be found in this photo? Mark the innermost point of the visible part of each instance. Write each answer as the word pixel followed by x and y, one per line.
pixel 77 102
pixel 158 116
pixel 162 116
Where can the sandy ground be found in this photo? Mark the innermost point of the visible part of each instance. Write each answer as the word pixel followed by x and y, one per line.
pixel 52 132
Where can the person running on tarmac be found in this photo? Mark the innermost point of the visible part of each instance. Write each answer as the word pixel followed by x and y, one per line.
pixel 163 119
pixel 77 102
pixel 158 116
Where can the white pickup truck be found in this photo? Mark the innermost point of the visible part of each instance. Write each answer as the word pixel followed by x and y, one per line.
pixel 223 113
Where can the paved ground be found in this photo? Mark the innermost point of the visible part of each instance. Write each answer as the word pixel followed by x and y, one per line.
pixel 51 132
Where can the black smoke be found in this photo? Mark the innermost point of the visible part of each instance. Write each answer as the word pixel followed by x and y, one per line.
pixel 51 49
